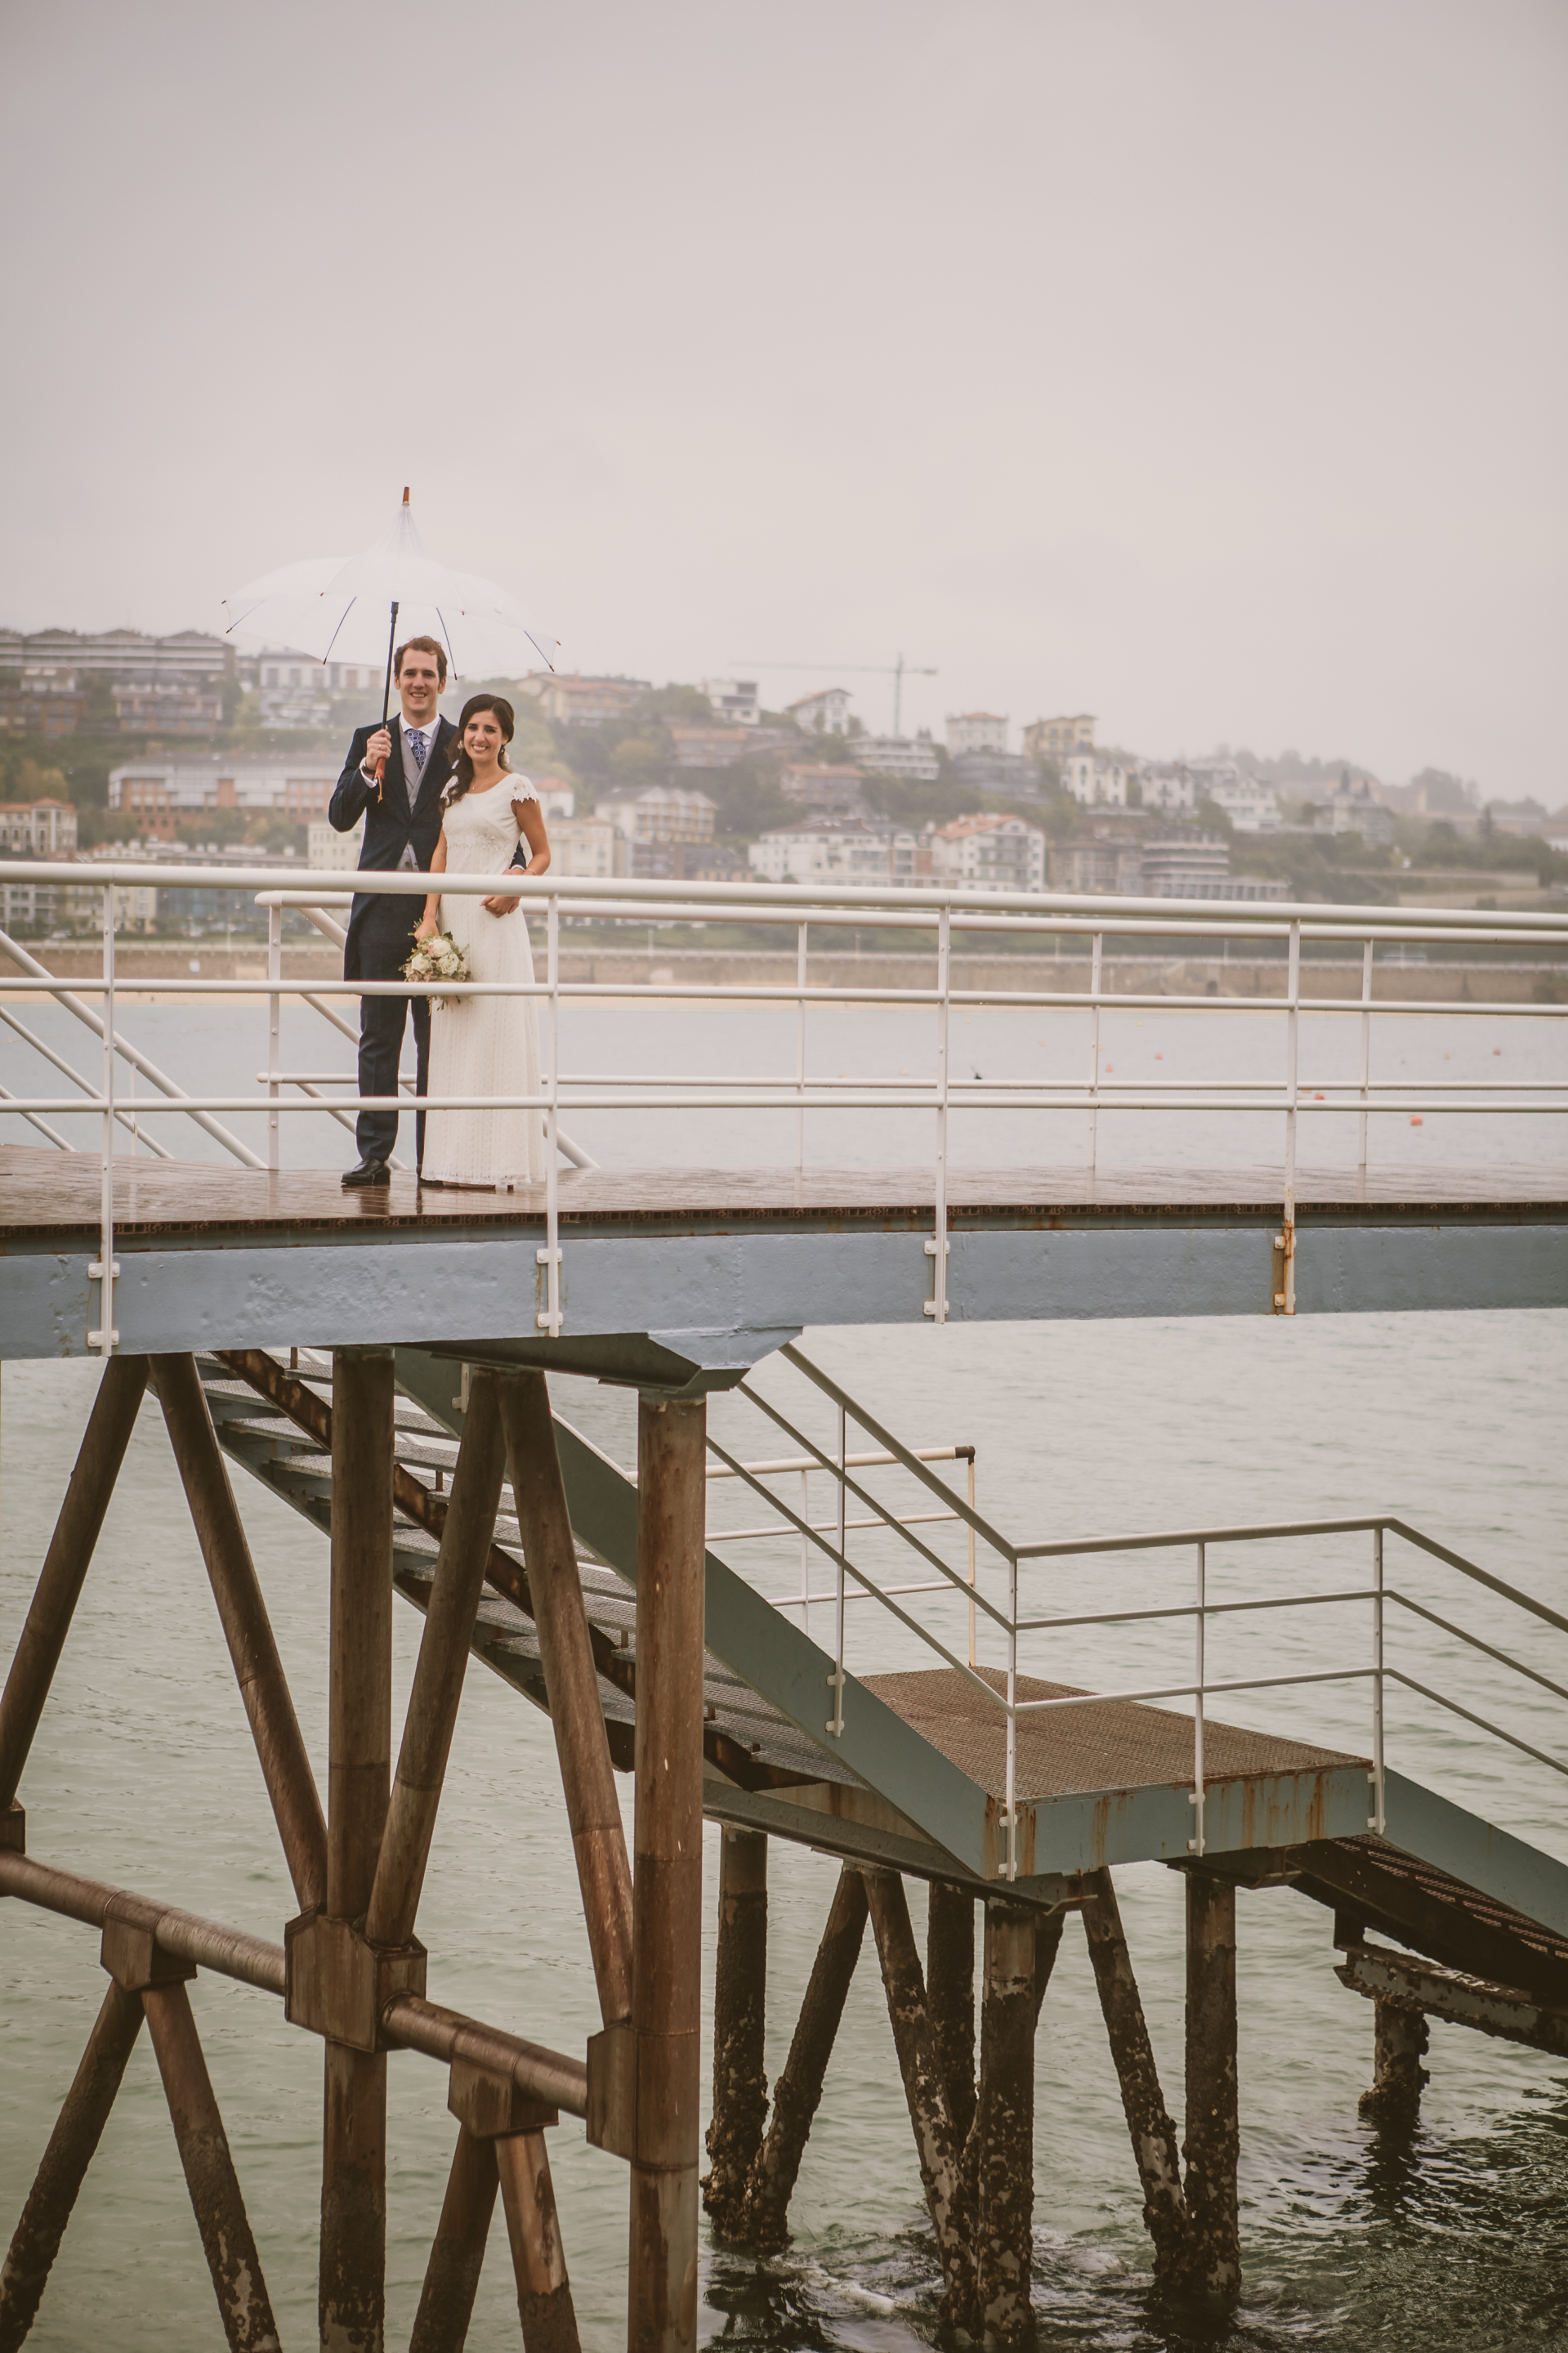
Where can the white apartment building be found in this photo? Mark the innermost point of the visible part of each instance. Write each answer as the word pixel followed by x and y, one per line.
pixel 1251 806
pixel 294 690
pixel 827 714
pixel 1166 784
pixel 1352 809
pixel 900 756
pixel 989 853
pixel 1094 781
pixel 36 829
pixel 975 730
pixel 734 701
pixel 834 849
pixel 573 701
pixel 660 813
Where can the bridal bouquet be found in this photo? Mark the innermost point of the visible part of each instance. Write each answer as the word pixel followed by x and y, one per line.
pixel 437 958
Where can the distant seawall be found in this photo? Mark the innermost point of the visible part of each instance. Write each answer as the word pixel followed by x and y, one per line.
pixel 138 964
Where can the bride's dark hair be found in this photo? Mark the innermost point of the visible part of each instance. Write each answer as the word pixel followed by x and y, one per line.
pixel 462 766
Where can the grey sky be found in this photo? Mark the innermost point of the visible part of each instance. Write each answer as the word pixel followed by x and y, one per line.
pixel 1197 363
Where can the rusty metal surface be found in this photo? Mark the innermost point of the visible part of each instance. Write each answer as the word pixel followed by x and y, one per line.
pixel 798 2091
pixel 247 1629
pixel 1113 1745
pixel 71 2145
pixel 936 2142
pixel 227 2241
pixel 1212 2147
pixel 457 2251
pixel 1150 2128
pixel 1004 2172
pixel 740 2115
pixel 1405 1988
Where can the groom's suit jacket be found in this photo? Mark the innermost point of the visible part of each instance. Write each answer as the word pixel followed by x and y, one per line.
pixel 380 929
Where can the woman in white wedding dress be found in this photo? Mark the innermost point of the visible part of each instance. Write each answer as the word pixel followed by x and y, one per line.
pixel 485 1045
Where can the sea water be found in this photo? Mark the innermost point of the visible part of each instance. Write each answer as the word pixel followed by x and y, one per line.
pixel 142 1774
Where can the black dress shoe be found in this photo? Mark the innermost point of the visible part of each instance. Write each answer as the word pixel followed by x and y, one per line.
pixel 369 1172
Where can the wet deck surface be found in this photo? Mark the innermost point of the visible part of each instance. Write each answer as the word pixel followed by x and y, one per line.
pixel 1074 1751
pixel 44 1191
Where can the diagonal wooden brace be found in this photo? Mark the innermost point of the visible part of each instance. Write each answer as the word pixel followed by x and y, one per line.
pixel 263 1686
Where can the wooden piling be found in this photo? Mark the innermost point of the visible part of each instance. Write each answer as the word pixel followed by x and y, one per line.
pixel 458 2253
pixel 438 1676
pixel 227 2240
pixel 571 1683
pixel 950 1995
pixel 352 2289
pixel 543 2290
pixel 1149 2123
pixel 798 2092
pixel 1212 2140
pixel 1006 2126
pixel 60 1580
pixel 936 2143
pixel 77 2131
pixel 667 1902
pixel 739 2020
pixel 1401 2040
pixel 247 1629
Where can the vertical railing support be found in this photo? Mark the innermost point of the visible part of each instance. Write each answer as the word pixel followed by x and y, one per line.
pixel 1012 1715
pixel 666 1885
pixel 1376 1818
pixel 104 1270
pixel 801 968
pixel 836 1680
pixel 274 1032
pixel 1200 1623
pixel 1292 1044
pixel 352 2290
pixel 550 1318
pixel 936 1305
pixel 1096 968
pixel 1366 1056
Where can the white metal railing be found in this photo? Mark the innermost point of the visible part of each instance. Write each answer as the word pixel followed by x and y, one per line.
pixel 1001 1616
pixel 927 917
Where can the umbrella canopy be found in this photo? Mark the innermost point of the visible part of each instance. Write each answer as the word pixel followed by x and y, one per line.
pixel 341 609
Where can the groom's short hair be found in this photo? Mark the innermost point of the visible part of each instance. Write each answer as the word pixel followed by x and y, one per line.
pixel 424 646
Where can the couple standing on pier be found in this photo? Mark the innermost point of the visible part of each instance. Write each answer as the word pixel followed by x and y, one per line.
pixel 434 795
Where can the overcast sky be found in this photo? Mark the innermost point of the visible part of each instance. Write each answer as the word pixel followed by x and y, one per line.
pixel 1196 363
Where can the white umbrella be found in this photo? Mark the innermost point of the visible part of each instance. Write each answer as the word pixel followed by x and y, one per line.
pixel 336 609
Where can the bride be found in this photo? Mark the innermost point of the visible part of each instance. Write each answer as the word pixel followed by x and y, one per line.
pixel 485 1045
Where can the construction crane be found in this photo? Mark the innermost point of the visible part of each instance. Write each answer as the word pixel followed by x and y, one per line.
pixel 897 671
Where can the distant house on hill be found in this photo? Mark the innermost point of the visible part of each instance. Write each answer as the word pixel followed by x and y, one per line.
pixel 825 713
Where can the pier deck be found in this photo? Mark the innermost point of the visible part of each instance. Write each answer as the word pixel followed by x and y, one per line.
pixel 714 1267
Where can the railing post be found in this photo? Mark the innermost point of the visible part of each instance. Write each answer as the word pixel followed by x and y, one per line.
pixel 550 1318
pixel 1012 1713
pixel 1365 1052
pixel 800 973
pixel 971 1535
pixel 1195 1843
pixel 1376 1822
pixel 104 1272
pixel 274 1029
pixel 1096 968
pixel 836 1723
pixel 936 1305
pixel 806 1554
pixel 1292 1023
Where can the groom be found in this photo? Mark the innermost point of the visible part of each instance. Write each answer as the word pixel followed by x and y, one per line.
pixel 403 826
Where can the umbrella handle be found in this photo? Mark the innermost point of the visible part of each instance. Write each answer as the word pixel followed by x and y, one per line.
pixel 380 772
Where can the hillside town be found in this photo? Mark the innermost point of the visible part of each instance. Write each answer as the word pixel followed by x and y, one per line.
pixel 198 752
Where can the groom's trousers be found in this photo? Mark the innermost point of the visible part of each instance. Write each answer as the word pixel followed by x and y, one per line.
pixel 382 1021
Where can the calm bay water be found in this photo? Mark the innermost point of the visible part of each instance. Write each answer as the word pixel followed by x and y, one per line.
pixel 142 1773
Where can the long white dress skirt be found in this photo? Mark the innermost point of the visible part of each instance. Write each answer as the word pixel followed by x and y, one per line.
pixel 486 1045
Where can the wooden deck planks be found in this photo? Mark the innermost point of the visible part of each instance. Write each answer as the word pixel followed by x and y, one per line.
pixel 48 1192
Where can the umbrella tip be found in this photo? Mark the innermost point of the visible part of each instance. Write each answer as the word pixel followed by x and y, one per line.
pixel 406 494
